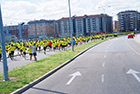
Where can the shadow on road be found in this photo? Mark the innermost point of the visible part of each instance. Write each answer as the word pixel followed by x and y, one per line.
pixel 49 90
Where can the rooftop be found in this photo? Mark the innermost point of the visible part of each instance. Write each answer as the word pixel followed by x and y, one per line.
pixel 127 11
pixel 85 16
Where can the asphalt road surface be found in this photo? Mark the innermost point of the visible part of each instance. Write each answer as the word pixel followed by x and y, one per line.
pixel 112 67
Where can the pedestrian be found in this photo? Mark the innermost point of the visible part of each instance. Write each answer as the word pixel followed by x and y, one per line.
pixel 50 45
pixel 44 46
pixel 30 53
pixel 34 51
pixel 24 51
pixel 12 50
pixel 9 51
pixel 20 47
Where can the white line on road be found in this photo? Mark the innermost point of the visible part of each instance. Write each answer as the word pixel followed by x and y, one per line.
pixel 102 78
pixel 132 48
pixel 73 76
pixel 103 64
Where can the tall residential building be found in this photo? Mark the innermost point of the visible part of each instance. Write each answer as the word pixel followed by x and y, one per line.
pixel 115 25
pixel 128 20
pixel 46 28
pixel 14 30
pixel 85 25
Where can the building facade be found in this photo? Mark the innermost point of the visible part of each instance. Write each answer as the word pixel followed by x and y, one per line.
pixel 128 20
pixel 85 25
pixel 20 33
pixel 39 28
pixel 115 26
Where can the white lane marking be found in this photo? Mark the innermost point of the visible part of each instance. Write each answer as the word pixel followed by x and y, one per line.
pixel 104 56
pixel 103 64
pixel 133 72
pixel 102 78
pixel 73 76
pixel 132 48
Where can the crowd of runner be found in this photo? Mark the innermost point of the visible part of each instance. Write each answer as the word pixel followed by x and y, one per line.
pixel 31 47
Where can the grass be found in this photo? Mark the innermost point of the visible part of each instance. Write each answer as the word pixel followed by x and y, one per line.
pixel 26 74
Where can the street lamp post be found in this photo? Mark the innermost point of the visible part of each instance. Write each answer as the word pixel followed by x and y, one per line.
pixel 104 20
pixel 20 30
pixel 7 29
pixel 5 67
pixel 71 25
pixel 136 23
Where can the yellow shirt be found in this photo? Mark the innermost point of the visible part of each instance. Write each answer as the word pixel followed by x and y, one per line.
pixel 0 50
pixel 44 44
pixel 30 50
pixel 23 48
pixel 9 50
pixel 12 48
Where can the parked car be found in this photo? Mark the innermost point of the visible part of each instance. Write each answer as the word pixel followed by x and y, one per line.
pixel 130 35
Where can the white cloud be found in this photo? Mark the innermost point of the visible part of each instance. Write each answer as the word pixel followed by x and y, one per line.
pixel 55 9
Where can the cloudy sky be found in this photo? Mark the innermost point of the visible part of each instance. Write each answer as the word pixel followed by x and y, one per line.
pixel 17 11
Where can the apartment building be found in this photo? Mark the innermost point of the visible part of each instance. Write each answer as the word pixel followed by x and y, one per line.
pixel 115 25
pixel 128 20
pixel 39 28
pixel 15 30
pixel 85 25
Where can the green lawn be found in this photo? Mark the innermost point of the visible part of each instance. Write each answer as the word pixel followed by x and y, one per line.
pixel 26 74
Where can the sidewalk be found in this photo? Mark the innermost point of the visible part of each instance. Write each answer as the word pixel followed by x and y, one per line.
pixel 137 38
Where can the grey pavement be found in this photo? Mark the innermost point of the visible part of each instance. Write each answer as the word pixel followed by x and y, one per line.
pixel 104 69
pixel 137 38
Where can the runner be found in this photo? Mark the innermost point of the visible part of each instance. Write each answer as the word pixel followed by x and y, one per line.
pixel 39 45
pixel 30 53
pixel 44 46
pixel 18 46
pixel 50 45
pixel 34 51
pixel 9 51
pixel 24 51
pixel 12 50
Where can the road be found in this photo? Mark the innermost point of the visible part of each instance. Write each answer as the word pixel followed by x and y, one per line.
pixel 108 68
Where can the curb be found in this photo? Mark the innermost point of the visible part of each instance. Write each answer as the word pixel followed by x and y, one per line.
pixel 21 90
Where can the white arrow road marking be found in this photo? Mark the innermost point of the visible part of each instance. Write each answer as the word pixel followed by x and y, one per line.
pixel 73 76
pixel 133 72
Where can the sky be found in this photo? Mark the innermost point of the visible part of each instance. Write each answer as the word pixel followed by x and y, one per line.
pixel 18 11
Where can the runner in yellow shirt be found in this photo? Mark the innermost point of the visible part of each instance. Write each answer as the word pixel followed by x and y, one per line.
pixel 54 45
pixel 9 51
pixel 12 50
pixel 30 53
pixel 39 45
pixel 20 48
pixel 44 46
pixel 24 50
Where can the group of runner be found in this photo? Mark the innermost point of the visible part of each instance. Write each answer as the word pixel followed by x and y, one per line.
pixel 52 44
